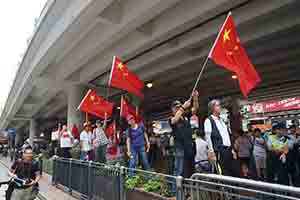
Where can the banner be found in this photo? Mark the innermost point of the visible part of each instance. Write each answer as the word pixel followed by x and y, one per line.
pixel 273 106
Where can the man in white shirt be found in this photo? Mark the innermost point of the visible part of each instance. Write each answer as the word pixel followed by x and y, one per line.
pixel 66 141
pixel 85 142
pixel 219 141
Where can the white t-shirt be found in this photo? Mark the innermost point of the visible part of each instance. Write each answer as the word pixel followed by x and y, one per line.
pixel 54 136
pixel 194 121
pixel 201 150
pixel 86 140
pixel 66 139
pixel 222 128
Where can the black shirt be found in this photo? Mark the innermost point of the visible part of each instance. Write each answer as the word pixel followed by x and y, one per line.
pixel 183 132
pixel 25 170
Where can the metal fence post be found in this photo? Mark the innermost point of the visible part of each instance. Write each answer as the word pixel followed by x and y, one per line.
pixel 70 177
pixel 179 188
pixel 41 165
pixel 89 180
pixel 54 170
pixel 122 191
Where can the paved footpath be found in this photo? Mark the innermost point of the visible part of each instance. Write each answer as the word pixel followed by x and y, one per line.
pixel 47 191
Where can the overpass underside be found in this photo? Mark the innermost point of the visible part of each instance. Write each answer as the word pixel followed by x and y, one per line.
pixel 163 41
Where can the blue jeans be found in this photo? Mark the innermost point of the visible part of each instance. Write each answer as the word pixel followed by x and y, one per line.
pixel 101 154
pixel 83 155
pixel 135 151
pixel 179 162
pixel 179 167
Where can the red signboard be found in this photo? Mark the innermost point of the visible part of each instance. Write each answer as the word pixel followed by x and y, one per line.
pixel 273 106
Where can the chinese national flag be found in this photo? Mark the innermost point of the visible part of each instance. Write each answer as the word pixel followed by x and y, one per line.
pixel 96 105
pixel 229 52
pixel 110 132
pixel 128 109
pixel 122 78
pixel 111 129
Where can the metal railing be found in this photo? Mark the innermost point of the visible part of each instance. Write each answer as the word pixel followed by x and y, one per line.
pixel 212 186
pixel 99 181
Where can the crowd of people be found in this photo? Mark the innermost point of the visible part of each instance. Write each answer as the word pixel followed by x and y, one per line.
pixel 90 144
pixel 210 147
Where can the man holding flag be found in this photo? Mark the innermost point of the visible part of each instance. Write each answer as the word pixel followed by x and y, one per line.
pixel 182 131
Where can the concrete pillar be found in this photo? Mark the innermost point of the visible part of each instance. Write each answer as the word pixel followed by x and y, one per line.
pixel 19 138
pixel 75 96
pixel 32 131
pixel 235 116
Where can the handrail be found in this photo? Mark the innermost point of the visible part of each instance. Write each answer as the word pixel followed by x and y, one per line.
pixel 257 184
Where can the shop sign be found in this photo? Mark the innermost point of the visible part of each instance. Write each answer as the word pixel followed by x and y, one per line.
pixel 273 106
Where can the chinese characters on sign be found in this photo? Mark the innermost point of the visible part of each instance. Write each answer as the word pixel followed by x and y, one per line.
pixel 273 106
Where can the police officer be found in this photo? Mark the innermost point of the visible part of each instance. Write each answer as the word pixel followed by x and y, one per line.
pixel 279 145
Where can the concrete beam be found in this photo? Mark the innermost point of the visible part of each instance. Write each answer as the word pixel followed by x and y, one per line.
pixel 21 87
pixel 132 19
pixel 267 28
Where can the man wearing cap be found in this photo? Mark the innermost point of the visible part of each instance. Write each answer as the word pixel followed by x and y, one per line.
pixel 137 143
pixel 278 145
pixel 182 131
pixel 100 142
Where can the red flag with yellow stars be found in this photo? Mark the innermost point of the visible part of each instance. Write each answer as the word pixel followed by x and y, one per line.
pixel 96 105
pixel 122 78
pixel 111 129
pixel 229 52
pixel 128 109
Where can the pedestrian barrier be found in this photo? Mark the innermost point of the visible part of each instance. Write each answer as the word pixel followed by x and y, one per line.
pixel 89 179
pixel 98 181
pixel 212 187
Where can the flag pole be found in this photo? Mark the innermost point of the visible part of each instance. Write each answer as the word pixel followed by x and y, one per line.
pixel 86 117
pixel 209 55
pixel 110 77
pixel 200 74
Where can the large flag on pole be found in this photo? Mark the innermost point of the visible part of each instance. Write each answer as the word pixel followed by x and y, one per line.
pixel 122 78
pixel 96 105
pixel 128 109
pixel 228 52
pixel 111 129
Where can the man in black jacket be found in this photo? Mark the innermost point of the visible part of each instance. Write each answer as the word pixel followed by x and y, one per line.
pixel 27 170
pixel 182 130
pixel 219 140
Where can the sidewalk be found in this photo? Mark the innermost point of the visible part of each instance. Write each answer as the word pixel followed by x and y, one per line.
pixel 47 191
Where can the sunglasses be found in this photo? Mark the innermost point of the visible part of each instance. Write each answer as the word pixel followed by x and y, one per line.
pixel 130 119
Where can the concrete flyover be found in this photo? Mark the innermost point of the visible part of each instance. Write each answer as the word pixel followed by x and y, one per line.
pixel 164 41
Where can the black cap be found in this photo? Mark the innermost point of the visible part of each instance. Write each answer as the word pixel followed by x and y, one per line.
pixel 278 125
pixel 176 103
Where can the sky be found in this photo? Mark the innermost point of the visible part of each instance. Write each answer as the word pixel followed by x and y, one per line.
pixel 17 19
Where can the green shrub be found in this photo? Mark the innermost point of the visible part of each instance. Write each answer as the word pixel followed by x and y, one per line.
pixel 133 182
pixel 156 185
